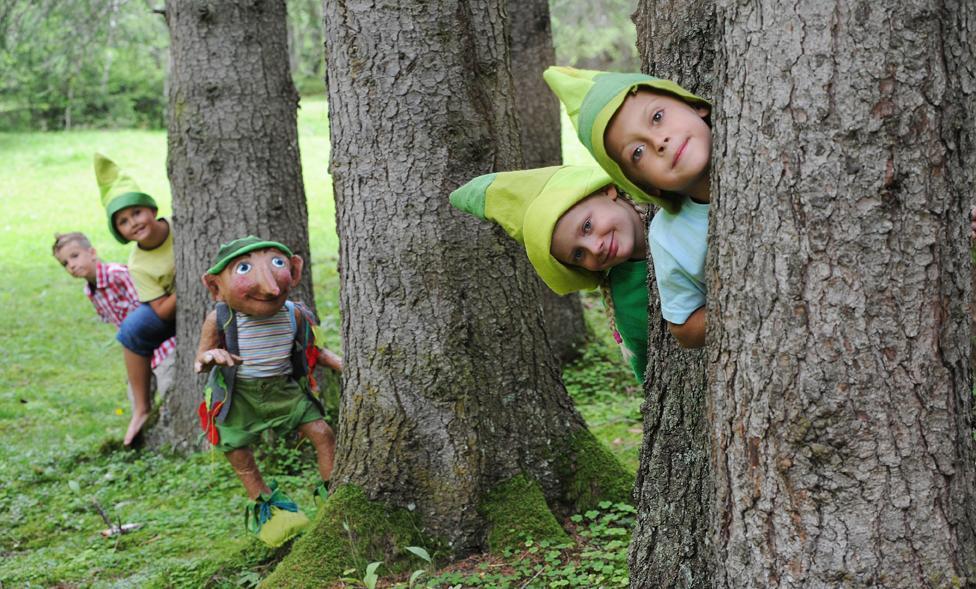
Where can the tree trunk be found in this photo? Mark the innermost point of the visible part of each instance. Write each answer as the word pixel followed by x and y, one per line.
pixel 842 384
pixel 671 542
pixel 451 397
pixel 541 133
pixel 233 164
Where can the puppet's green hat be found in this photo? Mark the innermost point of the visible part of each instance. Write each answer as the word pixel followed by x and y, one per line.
pixel 119 191
pixel 232 249
pixel 527 205
pixel 592 98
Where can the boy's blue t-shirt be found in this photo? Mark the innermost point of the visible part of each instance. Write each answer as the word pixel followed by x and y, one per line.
pixel 678 244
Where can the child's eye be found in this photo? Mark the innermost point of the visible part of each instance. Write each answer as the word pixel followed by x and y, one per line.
pixel 657 116
pixel 277 262
pixel 638 152
pixel 587 226
pixel 243 268
pixel 577 255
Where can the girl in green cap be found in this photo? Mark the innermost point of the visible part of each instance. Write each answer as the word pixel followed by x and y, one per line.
pixel 579 232
pixel 653 138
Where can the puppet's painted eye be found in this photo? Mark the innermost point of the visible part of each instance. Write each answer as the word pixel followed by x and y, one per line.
pixel 243 268
pixel 278 262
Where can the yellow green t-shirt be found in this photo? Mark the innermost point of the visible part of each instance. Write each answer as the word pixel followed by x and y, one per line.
pixel 154 271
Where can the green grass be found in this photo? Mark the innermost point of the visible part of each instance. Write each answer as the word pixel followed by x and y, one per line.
pixel 62 386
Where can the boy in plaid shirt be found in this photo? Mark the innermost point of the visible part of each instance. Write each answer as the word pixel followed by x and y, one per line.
pixel 109 288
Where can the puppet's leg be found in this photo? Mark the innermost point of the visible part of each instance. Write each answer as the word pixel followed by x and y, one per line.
pixel 273 516
pixel 242 459
pixel 323 438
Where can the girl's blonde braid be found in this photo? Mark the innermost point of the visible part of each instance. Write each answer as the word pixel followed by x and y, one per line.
pixel 644 213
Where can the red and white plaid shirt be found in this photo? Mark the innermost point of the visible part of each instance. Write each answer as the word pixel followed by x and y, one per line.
pixel 114 296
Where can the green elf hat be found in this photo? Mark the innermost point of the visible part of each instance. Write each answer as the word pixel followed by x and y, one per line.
pixel 119 191
pixel 527 205
pixel 239 247
pixel 592 98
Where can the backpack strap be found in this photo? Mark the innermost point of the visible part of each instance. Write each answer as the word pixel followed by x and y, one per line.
pixel 302 321
pixel 299 365
pixel 227 333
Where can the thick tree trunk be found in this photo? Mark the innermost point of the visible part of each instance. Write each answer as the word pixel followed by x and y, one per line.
pixel 842 385
pixel 233 163
pixel 671 542
pixel 450 389
pixel 539 128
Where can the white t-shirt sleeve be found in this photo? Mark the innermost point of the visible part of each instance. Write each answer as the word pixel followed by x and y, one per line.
pixel 680 294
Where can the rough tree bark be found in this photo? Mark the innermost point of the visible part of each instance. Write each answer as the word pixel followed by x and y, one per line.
pixel 233 164
pixel 670 546
pixel 539 128
pixel 842 384
pixel 452 408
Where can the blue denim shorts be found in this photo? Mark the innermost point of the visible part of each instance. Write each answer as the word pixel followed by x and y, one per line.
pixel 143 331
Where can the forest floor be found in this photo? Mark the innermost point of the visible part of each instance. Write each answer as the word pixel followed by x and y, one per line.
pixel 63 407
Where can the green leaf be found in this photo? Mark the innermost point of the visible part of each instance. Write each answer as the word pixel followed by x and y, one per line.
pixel 417 550
pixel 414 576
pixel 371 578
pixel 74 486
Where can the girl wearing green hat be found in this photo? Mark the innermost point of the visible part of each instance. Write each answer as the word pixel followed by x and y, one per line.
pixel 653 138
pixel 579 232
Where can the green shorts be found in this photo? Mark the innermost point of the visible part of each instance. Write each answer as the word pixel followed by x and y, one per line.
pixel 276 403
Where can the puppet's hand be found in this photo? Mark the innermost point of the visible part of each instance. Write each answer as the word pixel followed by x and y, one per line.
pixel 330 359
pixel 215 357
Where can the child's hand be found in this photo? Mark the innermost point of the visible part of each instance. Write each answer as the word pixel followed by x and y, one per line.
pixel 330 359
pixel 215 357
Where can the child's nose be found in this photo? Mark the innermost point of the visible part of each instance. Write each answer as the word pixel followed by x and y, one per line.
pixel 660 143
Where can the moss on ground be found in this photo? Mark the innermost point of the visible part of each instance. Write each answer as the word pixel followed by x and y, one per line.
pixel 349 531
pixel 593 474
pixel 517 510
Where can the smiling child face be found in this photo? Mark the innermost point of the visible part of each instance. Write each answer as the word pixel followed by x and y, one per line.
pixel 256 283
pixel 662 142
pixel 134 223
pixel 599 232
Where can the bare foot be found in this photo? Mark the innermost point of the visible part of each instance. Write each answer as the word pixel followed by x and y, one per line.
pixel 135 426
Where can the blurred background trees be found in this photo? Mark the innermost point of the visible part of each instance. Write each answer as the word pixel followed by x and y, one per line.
pixel 68 64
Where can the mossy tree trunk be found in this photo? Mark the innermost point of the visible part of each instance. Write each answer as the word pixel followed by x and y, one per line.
pixel 537 108
pixel 451 397
pixel 671 542
pixel 233 164
pixel 842 384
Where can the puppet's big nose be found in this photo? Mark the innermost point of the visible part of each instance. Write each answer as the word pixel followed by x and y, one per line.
pixel 266 282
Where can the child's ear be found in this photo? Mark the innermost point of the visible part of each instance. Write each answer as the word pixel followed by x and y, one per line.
pixel 612 192
pixel 213 285
pixel 703 110
pixel 296 269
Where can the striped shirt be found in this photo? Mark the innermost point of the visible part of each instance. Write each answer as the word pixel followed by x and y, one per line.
pixel 265 344
pixel 114 295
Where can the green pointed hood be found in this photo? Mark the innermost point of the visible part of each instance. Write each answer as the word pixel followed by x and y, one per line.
pixel 118 191
pixel 592 98
pixel 527 204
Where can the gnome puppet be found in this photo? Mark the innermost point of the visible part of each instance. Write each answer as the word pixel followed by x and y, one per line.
pixel 261 349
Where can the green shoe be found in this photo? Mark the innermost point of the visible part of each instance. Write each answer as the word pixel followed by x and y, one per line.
pixel 274 518
pixel 321 493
